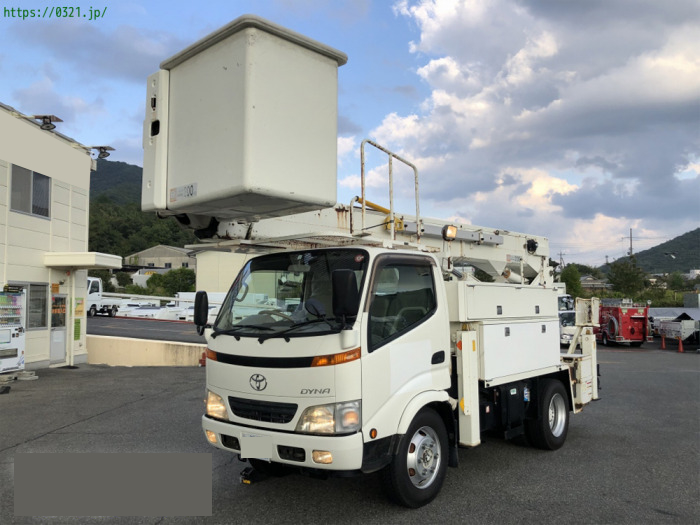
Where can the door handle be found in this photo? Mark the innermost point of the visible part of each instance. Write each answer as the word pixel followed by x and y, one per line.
pixel 438 357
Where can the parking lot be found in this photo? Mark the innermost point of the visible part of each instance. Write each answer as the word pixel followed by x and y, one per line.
pixel 632 457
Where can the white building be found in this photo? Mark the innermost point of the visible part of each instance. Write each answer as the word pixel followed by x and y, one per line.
pixel 44 206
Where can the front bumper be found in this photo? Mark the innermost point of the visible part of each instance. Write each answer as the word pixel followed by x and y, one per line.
pixel 287 448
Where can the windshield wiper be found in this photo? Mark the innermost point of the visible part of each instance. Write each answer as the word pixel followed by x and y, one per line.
pixel 234 329
pixel 283 333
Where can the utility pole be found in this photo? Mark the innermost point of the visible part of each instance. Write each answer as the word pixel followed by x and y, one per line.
pixel 631 252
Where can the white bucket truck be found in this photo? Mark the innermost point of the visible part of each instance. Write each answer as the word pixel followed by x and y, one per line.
pixel 354 343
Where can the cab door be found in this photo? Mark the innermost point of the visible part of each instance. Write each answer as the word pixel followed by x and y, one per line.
pixel 406 334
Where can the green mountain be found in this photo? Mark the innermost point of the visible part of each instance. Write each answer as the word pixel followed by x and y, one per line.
pixel 117 224
pixel 117 181
pixel 681 254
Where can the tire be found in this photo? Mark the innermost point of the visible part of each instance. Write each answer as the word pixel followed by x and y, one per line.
pixel 92 311
pixel 605 339
pixel 112 311
pixel 416 474
pixel 549 430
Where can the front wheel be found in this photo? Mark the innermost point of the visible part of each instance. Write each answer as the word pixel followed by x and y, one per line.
pixel 549 430
pixel 418 470
pixel 92 311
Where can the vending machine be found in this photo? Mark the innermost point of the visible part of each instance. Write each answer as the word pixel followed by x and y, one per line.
pixel 12 335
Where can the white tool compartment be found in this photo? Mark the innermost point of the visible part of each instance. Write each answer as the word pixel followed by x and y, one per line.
pixel 243 125
pixel 517 347
pixel 477 301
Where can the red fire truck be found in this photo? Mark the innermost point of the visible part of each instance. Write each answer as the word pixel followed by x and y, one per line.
pixel 622 321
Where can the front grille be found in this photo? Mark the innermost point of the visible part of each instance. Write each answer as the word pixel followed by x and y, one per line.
pixel 263 410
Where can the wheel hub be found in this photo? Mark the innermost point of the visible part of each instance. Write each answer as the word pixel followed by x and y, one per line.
pixel 424 457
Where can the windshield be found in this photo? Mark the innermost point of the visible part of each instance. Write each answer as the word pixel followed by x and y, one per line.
pixel 567 318
pixel 288 294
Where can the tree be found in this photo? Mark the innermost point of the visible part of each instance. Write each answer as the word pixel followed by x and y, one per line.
pixel 123 279
pixel 584 269
pixel 106 278
pixel 169 283
pixel 571 276
pixel 626 277
pixel 179 280
pixel 676 281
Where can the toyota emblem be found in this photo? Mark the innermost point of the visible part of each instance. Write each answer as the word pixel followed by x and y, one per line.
pixel 258 382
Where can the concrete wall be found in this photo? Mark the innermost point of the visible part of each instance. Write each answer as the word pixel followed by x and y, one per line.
pixel 123 351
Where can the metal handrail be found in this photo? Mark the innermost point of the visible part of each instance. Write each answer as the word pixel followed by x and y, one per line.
pixel 391 188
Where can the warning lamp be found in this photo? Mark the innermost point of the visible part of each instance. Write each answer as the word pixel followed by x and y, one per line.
pixel 449 232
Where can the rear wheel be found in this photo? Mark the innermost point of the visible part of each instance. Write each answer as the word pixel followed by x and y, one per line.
pixel 112 311
pixel 549 430
pixel 605 339
pixel 418 470
pixel 92 311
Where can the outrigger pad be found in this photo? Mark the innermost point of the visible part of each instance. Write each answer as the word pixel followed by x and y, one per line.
pixel 249 476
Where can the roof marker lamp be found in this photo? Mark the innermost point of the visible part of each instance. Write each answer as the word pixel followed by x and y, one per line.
pixel 449 232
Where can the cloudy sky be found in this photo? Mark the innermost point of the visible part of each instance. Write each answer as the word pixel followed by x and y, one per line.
pixel 575 120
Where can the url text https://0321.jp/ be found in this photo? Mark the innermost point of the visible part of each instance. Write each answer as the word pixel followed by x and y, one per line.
pixel 54 12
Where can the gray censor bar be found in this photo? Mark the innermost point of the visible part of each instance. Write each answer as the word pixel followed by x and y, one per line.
pixel 113 484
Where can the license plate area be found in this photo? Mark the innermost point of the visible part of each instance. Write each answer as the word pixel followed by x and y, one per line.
pixel 255 446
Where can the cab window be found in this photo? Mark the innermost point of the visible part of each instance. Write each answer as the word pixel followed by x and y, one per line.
pixel 403 296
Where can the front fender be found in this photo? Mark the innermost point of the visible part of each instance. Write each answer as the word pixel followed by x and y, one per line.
pixel 416 404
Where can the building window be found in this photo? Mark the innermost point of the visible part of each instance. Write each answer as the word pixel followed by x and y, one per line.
pixel 151 265
pixel 31 192
pixel 168 265
pixel 185 265
pixel 37 306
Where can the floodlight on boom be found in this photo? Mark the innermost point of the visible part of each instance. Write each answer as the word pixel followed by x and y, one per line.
pixel 47 121
pixel 102 151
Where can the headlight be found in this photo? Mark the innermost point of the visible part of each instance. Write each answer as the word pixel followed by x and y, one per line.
pixel 335 418
pixel 216 406
pixel 566 337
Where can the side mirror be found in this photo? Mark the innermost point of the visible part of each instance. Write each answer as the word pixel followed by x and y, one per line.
pixel 201 311
pixel 346 298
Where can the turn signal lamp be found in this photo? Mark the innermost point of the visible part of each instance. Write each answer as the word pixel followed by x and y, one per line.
pixel 449 232
pixel 337 359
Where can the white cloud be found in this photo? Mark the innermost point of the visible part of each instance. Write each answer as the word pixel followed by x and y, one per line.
pixel 346 146
pixel 542 95
pixel 42 98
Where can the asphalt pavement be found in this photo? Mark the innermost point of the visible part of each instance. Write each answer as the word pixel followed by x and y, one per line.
pixel 632 457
